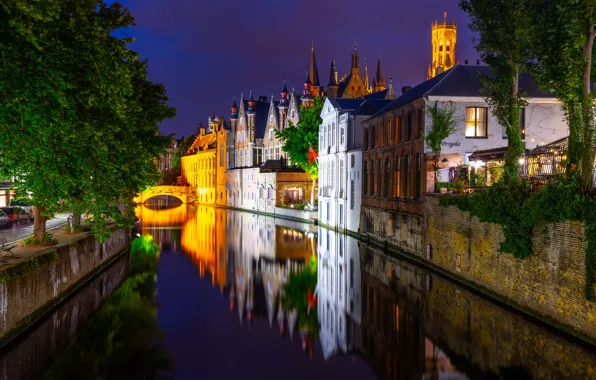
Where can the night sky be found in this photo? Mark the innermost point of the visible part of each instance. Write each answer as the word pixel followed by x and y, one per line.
pixel 204 51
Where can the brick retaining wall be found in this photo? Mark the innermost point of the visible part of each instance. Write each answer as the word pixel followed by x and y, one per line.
pixel 549 282
pixel 24 297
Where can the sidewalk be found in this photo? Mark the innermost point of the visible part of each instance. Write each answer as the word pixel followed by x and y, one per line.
pixel 21 254
pixel 21 232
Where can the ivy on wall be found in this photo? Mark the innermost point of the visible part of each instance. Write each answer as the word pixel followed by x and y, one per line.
pixel 519 212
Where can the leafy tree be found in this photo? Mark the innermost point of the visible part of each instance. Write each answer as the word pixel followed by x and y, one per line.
pixel 562 45
pixel 78 118
pixel 443 125
pixel 298 140
pixel 502 26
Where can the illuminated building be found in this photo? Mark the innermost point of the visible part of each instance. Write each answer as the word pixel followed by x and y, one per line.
pixel 443 40
pixel 204 165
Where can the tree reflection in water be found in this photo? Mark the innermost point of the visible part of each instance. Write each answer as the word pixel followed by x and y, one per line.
pixel 122 341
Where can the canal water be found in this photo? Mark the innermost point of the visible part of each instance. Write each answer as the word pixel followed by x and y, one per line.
pixel 237 295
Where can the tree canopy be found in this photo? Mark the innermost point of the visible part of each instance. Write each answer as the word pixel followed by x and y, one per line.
pixel 298 139
pixel 79 118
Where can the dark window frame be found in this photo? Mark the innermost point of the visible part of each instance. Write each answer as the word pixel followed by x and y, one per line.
pixel 476 123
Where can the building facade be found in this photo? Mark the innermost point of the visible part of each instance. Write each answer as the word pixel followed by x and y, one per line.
pixel 398 167
pixel 340 147
pixel 204 164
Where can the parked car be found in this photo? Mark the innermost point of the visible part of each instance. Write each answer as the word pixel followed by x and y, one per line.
pixel 4 220
pixel 16 215
pixel 24 205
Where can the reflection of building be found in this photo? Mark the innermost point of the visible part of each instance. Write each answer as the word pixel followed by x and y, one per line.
pixel 340 158
pixel 339 303
pixel 204 239
pixel 394 296
pixel 204 165
pixel 444 38
pixel 261 254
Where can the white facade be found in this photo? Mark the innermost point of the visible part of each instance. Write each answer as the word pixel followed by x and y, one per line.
pixel 339 132
pixel 544 123
pixel 338 292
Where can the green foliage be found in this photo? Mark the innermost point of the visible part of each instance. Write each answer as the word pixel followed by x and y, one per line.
pixel 519 212
pixel 79 119
pixel 503 44
pixel 295 295
pixel 182 149
pixel 458 185
pixel 122 340
pixel 21 269
pixel 443 125
pixel 298 139
pixel 562 65
pixel 46 240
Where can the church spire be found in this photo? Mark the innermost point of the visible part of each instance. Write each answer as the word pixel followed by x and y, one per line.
pixel 390 95
pixel 313 73
pixel 379 79
pixel 251 104
pixel 355 61
pixel 333 85
pixel 234 110
pixel 366 84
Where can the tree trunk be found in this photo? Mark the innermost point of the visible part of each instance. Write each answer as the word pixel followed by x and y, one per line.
pixel 587 112
pixel 514 143
pixel 39 223
pixel 575 139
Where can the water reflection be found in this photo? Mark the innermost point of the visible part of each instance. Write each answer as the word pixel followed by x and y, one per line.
pixel 404 321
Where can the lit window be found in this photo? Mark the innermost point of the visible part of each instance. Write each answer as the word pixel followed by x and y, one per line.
pixel 476 122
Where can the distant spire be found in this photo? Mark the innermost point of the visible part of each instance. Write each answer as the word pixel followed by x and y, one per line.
pixel 313 73
pixel 332 75
pixel 355 49
pixel 379 77
pixel 355 61
pixel 366 84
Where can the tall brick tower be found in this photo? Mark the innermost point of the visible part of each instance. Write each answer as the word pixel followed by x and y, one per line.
pixel 444 38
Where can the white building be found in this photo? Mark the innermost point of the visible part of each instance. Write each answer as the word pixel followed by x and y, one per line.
pixel 340 160
pixel 338 294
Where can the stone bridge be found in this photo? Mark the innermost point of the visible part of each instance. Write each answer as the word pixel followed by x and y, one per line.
pixel 186 194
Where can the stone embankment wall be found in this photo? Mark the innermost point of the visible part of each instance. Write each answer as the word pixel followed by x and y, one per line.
pixel 27 358
pixel 28 288
pixel 481 338
pixel 550 282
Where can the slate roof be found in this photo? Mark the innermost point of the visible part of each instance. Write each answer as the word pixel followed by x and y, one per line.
pixel 377 95
pixel 371 106
pixel 460 81
pixel 346 104
pixel 262 112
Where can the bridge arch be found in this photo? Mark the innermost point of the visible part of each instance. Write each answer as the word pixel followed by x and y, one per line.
pixel 184 193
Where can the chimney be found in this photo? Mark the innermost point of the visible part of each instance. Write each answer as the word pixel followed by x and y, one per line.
pixel 263 99
pixel 405 89
pixel 466 61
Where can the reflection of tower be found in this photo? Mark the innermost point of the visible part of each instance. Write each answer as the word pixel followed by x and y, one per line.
pixel 444 37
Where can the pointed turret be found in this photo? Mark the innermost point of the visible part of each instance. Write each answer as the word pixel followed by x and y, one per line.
pixel 307 98
pixel 283 101
pixel 390 93
pixel 355 61
pixel 333 85
pixel 379 81
pixel 313 72
pixel 366 84
pixel 234 110
pixel 251 104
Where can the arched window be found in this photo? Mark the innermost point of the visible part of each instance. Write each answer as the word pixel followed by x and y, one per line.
pixel 387 177
pixel 441 47
pixel 447 46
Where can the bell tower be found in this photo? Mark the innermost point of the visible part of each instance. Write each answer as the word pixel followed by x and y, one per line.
pixel 443 39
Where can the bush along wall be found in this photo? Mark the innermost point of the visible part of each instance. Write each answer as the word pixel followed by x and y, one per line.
pixel 519 212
